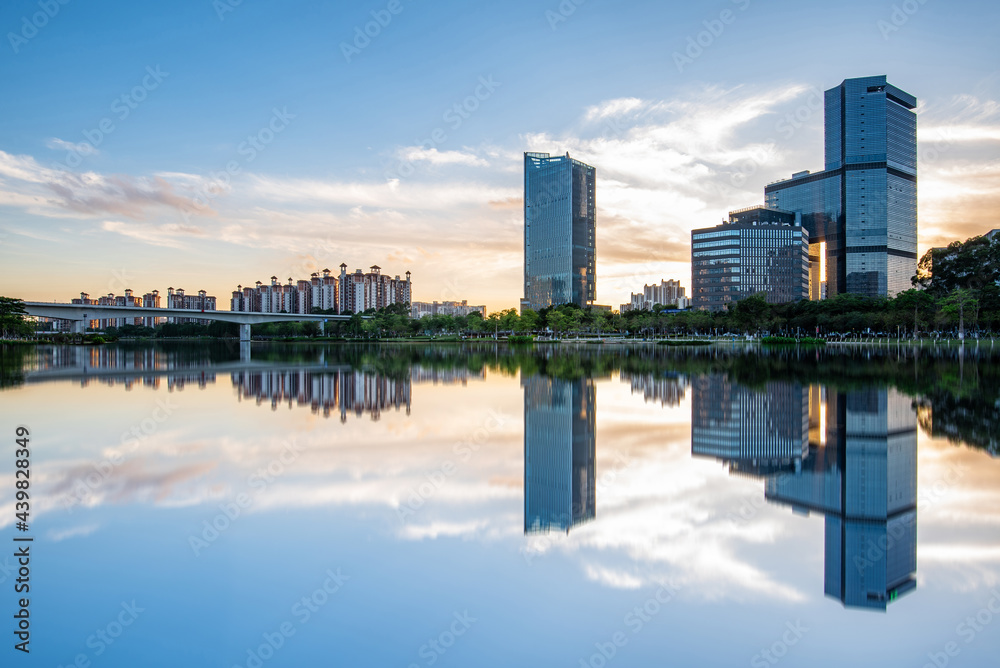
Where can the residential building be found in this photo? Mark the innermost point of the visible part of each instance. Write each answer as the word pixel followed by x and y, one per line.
pixel 348 293
pixel 453 308
pixel 759 249
pixel 560 217
pixel 863 205
pixel 199 302
pixel 667 293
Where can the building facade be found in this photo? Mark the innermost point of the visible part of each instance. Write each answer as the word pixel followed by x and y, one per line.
pixel 560 244
pixel 454 308
pixel 346 293
pixel 863 205
pixel 667 293
pixel 758 250
pixel 560 437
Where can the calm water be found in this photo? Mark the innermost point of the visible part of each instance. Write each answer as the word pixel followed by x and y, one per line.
pixel 477 506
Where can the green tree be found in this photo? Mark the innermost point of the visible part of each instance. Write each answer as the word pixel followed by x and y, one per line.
pixel 14 318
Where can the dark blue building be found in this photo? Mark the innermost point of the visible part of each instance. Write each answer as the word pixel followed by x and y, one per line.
pixel 864 204
pixel 560 217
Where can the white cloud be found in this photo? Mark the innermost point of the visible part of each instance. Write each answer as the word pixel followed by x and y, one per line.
pixel 83 148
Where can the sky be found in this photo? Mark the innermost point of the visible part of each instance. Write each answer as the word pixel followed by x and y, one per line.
pixel 205 144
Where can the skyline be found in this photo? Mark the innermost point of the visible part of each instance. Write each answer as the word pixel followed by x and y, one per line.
pixel 323 150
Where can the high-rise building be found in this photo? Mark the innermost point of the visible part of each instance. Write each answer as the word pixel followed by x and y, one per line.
pixel 348 293
pixel 863 205
pixel 560 437
pixel 667 293
pixel 758 250
pixel 560 236
pixel 864 480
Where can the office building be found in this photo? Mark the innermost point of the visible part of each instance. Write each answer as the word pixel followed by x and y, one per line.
pixel 753 431
pixel 559 453
pixel 864 480
pixel 758 250
pixel 863 205
pixel 560 217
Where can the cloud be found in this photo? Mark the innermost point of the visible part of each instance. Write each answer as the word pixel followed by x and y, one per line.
pixel 83 148
pixel 435 157
pixel 54 192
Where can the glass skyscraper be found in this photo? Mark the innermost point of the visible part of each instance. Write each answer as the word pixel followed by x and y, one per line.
pixel 864 203
pixel 864 480
pixel 560 216
pixel 559 453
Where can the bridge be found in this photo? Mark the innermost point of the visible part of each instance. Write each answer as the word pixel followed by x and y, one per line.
pixel 80 314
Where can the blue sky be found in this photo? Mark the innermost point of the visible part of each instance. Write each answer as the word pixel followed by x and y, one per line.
pixel 363 158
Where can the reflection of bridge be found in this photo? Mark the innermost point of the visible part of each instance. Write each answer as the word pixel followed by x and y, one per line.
pixel 81 313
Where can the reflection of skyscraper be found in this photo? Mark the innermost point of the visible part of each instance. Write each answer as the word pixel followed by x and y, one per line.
pixel 559 453
pixel 865 481
pixel 755 432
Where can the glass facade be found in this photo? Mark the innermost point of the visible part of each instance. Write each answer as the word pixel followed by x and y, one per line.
pixel 560 437
pixel 864 205
pixel 560 217
pixel 759 250
pixel 864 479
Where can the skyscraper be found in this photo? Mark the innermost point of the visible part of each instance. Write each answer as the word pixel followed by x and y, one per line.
pixel 864 480
pixel 560 216
pixel 559 453
pixel 864 204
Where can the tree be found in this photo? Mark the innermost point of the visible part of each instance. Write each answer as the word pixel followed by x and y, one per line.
pixel 13 318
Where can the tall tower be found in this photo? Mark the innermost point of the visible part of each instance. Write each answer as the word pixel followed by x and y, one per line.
pixel 560 245
pixel 864 204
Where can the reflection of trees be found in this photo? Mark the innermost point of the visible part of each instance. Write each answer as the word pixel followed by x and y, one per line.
pixel 957 389
pixel 13 363
pixel 968 420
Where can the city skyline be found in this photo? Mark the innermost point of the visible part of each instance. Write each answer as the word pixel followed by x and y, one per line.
pixel 259 162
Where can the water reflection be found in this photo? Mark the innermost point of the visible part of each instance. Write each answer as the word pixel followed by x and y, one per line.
pixel 860 472
pixel 864 480
pixel 559 452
